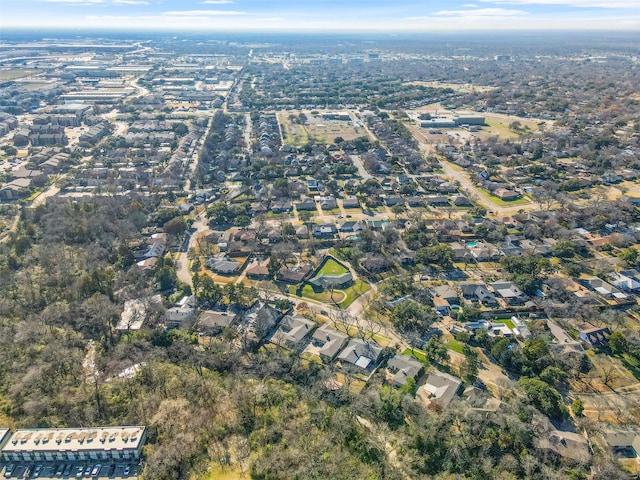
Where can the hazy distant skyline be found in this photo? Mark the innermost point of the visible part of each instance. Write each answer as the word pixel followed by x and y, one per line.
pixel 328 15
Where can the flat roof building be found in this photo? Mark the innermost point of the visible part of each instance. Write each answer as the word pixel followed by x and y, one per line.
pixel 71 444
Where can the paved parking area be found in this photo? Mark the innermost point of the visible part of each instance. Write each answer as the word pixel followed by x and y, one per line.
pixel 48 471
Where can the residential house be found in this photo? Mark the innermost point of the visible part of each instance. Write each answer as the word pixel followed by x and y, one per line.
pixel 506 195
pixel 392 200
pixel 509 292
pixel 15 189
pixel 376 263
pixel 351 202
pixel 258 270
pixel 328 202
pixel 477 292
pixel 402 368
pixel 567 444
pixel 605 289
pixel 624 444
pixel 213 323
pixel 295 274
pixel 511 246
pixel 223 265
pixel 352 227
pixel 327 342
pixel 415 201
pixel 440 388
pixel 180 316
pixel 306 205
pixel 281 205
pixel 534 247
pixel 260 320
pixel 437 201
pixel 484 252
pixel 245 235
pixel 326 230
pixel 293 329
pixel 361 354
pixel 461 201
pixel 597 337
pixel 324 281
pixel 460 251
pixel 626 280
pixel 302 231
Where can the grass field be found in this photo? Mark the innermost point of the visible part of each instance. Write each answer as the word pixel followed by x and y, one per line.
pixel 320 129
pixel 458 87
pixel 358 288
pixel 331 267
pixel 453 344
pixel 503 203
pixel 14 74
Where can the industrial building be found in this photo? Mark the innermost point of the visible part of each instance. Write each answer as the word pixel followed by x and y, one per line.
pixel 105 444
pixel 455 121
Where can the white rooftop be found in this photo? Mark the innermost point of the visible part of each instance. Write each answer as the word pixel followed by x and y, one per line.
pixel 363 362
pixel 55 439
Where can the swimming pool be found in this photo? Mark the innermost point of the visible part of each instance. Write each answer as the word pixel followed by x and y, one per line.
pixel 472 244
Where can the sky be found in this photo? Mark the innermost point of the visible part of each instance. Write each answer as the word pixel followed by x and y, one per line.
pixel 327 15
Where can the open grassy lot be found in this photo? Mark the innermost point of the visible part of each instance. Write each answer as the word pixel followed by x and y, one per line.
pixel 453 344
pixel 15 73
pixel 321 129
pixel 458 87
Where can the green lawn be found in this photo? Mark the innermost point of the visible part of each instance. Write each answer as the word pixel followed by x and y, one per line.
pixel 358 288
pixel 508 323
pixel 454 345
pixel 416 353
pixel 632 364
pixel 331 267
pixel 502 203
pixel 342 298
pixel 324 296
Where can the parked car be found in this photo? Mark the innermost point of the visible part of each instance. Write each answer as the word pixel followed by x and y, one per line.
pixel 96 470
pixel 127 469
pixel 27 471
pixel 9 470
pixel 37 471
pixel 79 471
pixel 67 470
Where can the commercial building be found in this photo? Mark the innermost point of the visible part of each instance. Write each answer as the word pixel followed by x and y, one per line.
pixel 74 444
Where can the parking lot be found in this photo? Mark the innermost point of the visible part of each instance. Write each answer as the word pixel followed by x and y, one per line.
pixel 58 470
